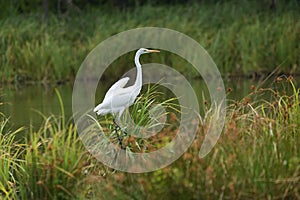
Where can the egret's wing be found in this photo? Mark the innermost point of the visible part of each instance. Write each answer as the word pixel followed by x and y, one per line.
pixel 118 100
pixel 118 85
pixel 113 90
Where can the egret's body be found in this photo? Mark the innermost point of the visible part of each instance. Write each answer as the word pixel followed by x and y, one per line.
pixel 118 98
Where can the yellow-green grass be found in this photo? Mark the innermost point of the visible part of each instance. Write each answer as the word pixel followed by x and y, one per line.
pixel 257 156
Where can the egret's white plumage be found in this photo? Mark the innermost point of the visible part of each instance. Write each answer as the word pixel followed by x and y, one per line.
pixel 118 98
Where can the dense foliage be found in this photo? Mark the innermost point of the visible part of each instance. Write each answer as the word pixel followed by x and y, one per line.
pixel 242 38
pixel 58 6
pixel 257 156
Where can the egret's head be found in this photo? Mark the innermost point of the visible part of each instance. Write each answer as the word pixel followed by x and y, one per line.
pixel 143 50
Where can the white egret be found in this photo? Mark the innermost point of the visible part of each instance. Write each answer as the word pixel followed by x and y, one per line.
pixel 118 98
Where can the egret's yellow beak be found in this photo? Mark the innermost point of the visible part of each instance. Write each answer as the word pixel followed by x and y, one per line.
pixel 153 51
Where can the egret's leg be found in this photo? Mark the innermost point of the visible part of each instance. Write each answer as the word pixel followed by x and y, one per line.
pixel 117 127
pixel 120 141
pixel 114 120
pixel 119 118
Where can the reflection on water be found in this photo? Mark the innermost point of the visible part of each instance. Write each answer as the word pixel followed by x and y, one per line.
pixel 20 104
pixel 23 104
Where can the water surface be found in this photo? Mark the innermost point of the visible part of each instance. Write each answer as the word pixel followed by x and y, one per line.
pixel 23 104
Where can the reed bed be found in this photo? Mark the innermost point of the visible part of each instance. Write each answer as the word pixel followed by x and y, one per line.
pixel 257 156
pixel 242 37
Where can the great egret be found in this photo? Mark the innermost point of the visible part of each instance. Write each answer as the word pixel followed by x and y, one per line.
pixel 118 98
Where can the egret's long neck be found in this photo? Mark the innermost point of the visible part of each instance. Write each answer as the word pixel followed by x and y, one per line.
pixel 138 80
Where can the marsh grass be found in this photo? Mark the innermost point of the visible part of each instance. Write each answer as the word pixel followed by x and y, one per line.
pixel 257 156
pixel 242 38
pixel 55 161
pixel 9 158
pixel 46 163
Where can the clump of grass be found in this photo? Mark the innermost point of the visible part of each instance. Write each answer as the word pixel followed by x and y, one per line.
pixel 48 163
pixel 9 158
pixel 55 161
pixel 256 156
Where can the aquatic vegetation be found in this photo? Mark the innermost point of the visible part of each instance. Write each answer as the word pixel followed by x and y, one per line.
pixel 242 38
pixel 257 156
pixel 10 151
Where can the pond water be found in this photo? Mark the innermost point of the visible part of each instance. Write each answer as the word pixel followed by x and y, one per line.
pixel 24 104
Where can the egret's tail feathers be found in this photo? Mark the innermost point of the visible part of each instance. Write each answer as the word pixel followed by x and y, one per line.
pixel 100 111
pixel 99 107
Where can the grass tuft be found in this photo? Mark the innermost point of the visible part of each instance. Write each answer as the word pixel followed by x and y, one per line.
pixel 257 156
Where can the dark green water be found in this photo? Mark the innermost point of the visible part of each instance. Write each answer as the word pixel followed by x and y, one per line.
pixel 22 103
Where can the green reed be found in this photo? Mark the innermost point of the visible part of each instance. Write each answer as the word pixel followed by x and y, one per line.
pixel 257 156
pixel 242 38
pixel 45 163
pixel 9 158
pixel 55 161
